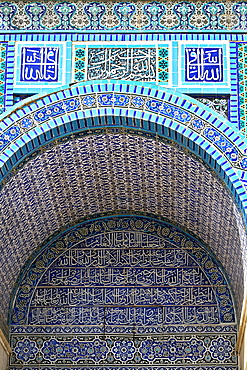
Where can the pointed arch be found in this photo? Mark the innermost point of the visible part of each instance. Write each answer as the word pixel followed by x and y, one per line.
pixel 160 111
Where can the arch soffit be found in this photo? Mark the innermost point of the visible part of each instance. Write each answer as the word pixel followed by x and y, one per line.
pixel 44 118
pixel 157 112
pixel 61 186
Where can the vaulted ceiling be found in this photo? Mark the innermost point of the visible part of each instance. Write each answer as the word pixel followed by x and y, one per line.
pixel 115 173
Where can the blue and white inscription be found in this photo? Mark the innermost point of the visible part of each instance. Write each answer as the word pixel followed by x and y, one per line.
pixel 204 64
pixel 137 64
pixel 39 64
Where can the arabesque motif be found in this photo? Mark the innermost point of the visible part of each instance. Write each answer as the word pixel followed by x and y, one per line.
pixel 124 16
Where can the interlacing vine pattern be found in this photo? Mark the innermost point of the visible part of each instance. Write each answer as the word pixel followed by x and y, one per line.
pixel 123 16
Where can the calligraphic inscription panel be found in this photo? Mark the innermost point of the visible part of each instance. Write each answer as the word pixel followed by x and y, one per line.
pixel 39 64
pixel 123 296
pixel 135 64
pixel 204 64
pixel 122 62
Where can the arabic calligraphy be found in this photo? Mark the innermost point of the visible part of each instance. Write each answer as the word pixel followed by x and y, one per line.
pixel 39 64
pixel 124 258
pixel 204 64
pixel 122 276
pixel 123 316
pixel 123 296
pixel 124 279
pixel 136 64
pixel 127 239
pixel 121 273
pixel 107 293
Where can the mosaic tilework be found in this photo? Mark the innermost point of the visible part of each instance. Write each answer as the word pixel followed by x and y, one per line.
pixel 127 173
pixel 146 105
pixel 204 127
pixel 133 281
pixel 121 62
pixel 103 272
pixel 79 66
pixel 203 64
pixel 10 63
pixel 163 65
pixel 159 350
pixel 233 106
pixel 40 64
pixel 242 86
pixel 219 104
pixel 126 16
pixel 3 51
pixel 204 123
pixel 115 37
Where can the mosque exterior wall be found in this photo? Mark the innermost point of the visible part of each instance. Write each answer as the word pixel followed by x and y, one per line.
pixel 107 77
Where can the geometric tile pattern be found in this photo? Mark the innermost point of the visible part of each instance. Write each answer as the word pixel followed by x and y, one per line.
pixel 3 51
pixel 163 64
pixel 151 285
pixel 113 350
pixel 242 86
pixel 132 16
pixel 115 173
pixel 79 70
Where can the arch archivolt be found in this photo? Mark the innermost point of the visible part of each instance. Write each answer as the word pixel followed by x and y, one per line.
pixel 93 105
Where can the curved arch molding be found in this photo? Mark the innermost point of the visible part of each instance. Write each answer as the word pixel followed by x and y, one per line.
pixel 121 104
pixel 104 110
pixel 124 290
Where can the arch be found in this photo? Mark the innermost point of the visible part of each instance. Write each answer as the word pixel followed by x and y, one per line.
pixel 123 104
pixel 112 113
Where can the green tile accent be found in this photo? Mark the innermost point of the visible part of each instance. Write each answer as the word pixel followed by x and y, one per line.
pixel 163 64
pixel 79 71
